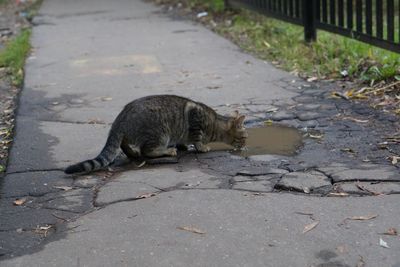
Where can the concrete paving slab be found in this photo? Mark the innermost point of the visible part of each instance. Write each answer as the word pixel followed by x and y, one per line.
pixel 240 230
pixel 341 172
pixel 77 201
pixel 40 145
pixel 369 188
pixel 32 183
pixel 266 185
pixel 131 184
pixel 123 188
pixel 303 181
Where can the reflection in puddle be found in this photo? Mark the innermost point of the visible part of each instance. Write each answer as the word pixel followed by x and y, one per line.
pixel 274 139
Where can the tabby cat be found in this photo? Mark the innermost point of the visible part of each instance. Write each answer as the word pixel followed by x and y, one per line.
pixel 155 126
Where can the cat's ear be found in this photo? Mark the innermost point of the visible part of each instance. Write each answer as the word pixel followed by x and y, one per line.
pixel 235 114
pixel 239 121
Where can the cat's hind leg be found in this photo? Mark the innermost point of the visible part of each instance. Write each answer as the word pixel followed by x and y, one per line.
pixel 131 152
pixel 160 152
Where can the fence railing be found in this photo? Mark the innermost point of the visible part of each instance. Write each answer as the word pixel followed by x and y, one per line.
pixel 375 22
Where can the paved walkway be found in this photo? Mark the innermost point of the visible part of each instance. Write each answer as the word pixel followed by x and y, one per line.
pixel 92 57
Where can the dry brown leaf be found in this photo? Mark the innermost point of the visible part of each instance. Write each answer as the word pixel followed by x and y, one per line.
pixel 363 218
pixel 191 229
pixel 391 231
pixel 310 226
pixel 355 119
pixel 363 188
pixel 146 195
pixel 65 188
pixel 95 121
pixel 19 202
pixel 316 136
pixel 339 95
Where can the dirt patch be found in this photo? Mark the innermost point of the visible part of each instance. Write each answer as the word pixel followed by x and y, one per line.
pixel 14 17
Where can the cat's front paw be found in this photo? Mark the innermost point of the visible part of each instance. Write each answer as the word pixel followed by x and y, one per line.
pixel 172 152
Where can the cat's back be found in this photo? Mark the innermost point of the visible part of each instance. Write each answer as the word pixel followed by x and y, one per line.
pixel 158 102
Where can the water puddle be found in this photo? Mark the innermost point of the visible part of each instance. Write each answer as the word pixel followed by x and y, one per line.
pixel 274 139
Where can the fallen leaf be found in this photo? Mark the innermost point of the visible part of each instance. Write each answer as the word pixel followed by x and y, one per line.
pixel 395 159
pixel 65 188
pixel 310 226
pixel 391 231
pixel 19 202
pixel 268 122
pixel 363 188
pixel 382 243
pixel 363 218
pixel 339 95
pixel 191 229
pixel 271 110
pixel 355 119
pixel 312 79
pixel 106 98
pixel 266 44
pixel 95 121
pixel 316 136
pixel 146 195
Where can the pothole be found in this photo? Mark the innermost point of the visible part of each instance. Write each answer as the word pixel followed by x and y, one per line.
pixel 272 139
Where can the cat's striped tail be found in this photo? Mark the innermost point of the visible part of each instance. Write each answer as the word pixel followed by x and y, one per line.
pixel 105 158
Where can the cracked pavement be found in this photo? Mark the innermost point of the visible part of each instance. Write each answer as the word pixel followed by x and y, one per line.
pixel 89 60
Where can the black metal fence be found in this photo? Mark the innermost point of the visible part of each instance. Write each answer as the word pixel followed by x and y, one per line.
pixel 375 22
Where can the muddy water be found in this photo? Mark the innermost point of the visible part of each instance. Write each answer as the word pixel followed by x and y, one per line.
pixel 274 139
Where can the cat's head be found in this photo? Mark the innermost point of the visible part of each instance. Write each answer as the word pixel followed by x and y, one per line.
pixel 236 134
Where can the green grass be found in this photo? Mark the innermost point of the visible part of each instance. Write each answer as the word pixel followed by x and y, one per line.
pixel 283 43
pixel 14 54
pixel 212 5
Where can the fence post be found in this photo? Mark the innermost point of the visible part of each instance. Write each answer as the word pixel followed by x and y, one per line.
pixel 226 4
pixel 309 17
